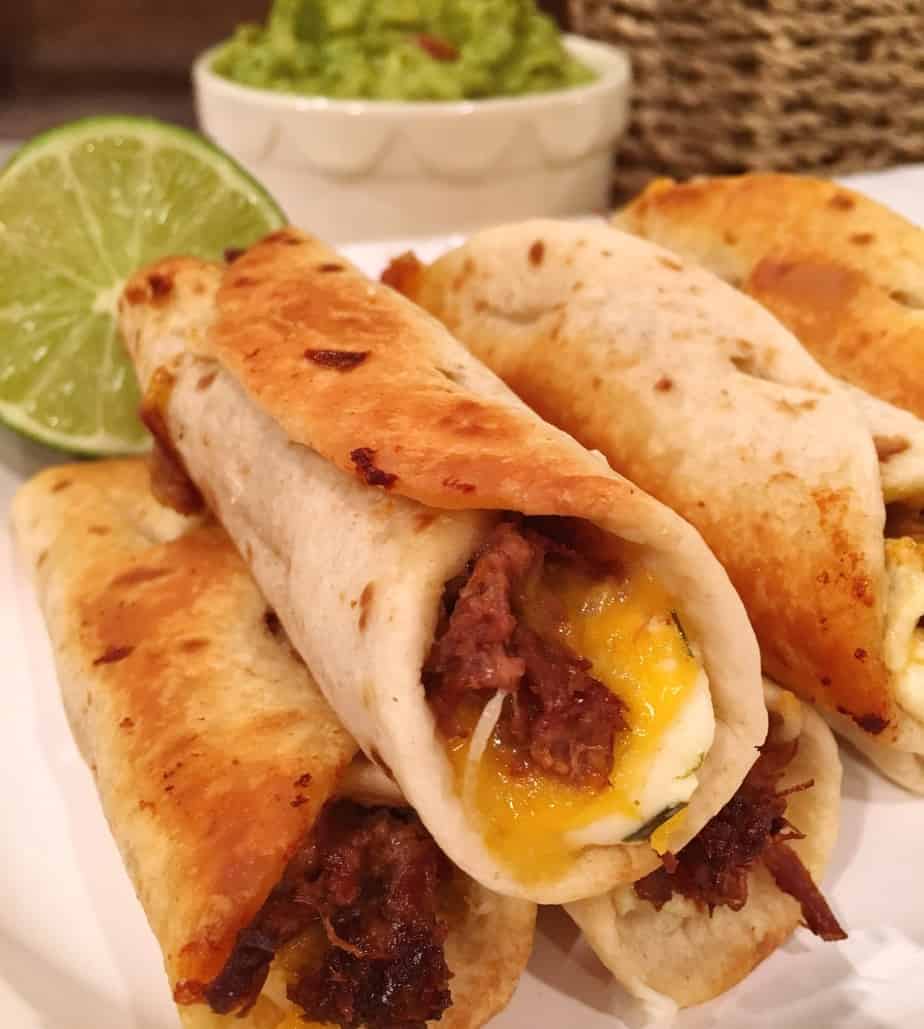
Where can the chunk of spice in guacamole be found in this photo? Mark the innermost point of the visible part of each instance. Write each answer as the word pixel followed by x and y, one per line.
pixel 402 50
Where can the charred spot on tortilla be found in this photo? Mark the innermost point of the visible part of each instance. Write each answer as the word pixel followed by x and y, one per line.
pixel 271 622
pixel 537 253
pixel 841 202
pixel 423 520
pixel 331 266
pixel 161 285
pixel 862 591
pixel 233 253
pixel 206 380
pixel 669 262
pixel 340 360
pixel 795 407
pixel 873 724
pixel 303 780
pixel 364 460
pixel 905 299
pixel 113 654
pixel 890 446
pixel 365 604
pixel 462 487
pixel 746 364
pixel 138 575
pixel 99 530
pixel 60 485
pixel 663 385
pixel 193 645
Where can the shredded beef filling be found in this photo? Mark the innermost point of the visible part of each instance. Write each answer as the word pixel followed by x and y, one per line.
pixel 370 878
pixel 904 520
pixel 712 869
pixel 558 717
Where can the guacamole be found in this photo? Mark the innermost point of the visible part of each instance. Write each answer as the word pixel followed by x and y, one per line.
pixel 402 50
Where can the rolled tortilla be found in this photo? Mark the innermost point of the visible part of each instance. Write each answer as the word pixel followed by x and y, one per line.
pixel 359 457
pixel 690 955
pixel 213 751
pixel 696 393
pixel 841 271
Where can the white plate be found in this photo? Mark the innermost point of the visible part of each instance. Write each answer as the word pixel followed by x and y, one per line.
pixel 75 952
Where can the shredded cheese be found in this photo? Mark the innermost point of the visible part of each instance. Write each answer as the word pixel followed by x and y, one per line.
pixel 484 730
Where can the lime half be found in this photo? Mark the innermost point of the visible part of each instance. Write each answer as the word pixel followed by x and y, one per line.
pixel 81 207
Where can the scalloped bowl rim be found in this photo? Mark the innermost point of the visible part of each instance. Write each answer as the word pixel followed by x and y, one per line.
pixel 610 62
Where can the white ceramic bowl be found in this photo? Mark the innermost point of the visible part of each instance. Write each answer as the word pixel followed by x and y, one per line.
pixel 371 169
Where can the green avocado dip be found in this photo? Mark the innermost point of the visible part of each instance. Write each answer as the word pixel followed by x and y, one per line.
pixel 402 50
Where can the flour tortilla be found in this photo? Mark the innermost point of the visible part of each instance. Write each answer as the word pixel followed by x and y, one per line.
pixel 695 392
pixel 684 953
pixel 844 273
pixel 211 746
pixel 356 571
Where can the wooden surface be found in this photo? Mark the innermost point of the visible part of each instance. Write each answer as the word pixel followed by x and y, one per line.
pixel 60 59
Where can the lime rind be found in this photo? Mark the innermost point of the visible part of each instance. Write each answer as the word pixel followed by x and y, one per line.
pixel 146 130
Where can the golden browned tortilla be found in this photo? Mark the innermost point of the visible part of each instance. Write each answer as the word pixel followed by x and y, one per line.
pixel 844 273
pixel 211 746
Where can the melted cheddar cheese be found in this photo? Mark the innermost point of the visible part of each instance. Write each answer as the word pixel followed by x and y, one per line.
pixel 625 626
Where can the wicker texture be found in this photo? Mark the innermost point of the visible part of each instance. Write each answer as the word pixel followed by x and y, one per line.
pixel 724 86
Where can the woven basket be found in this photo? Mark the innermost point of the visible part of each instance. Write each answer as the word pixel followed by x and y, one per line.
pixel 724 86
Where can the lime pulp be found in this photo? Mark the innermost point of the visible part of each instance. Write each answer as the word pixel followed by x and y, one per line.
pixel 81 207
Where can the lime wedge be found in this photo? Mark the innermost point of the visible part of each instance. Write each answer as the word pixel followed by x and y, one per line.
pixel 81 207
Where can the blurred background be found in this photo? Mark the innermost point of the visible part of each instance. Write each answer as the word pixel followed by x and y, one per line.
pixel 721 85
